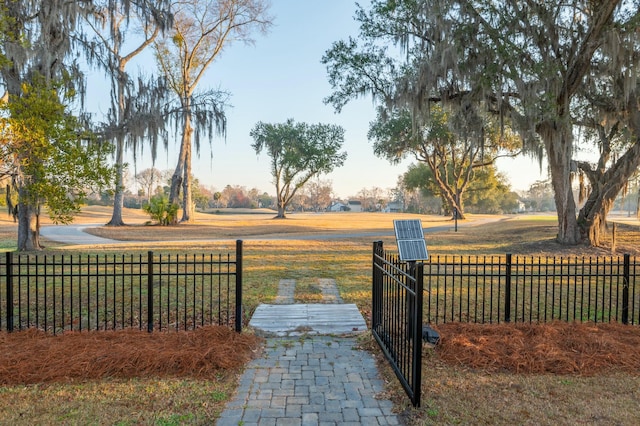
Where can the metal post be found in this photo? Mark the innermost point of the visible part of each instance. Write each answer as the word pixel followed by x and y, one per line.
pixel 507 291
pixel 9 272
pixel 411 319
pixel 376 287
pixel 417 334
pixel 455 219
pixel 626 275
pixel 455 210
pixel 149 291
pixel 238 286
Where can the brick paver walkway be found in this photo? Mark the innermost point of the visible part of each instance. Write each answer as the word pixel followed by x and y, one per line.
pixel 310 380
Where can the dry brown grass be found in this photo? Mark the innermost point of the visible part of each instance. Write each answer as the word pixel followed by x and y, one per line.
pixel 556 374
pixel 550 374
pixel 233 226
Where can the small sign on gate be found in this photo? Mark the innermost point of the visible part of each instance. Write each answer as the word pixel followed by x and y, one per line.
pixel 410 238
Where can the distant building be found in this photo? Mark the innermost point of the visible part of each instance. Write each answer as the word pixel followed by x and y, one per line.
pixel 393 207
pixel 337 206
pixel 354 205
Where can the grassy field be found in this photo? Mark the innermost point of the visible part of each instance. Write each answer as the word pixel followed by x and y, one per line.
pixel 453 395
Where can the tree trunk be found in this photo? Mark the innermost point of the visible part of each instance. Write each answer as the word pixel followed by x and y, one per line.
pixel 179 175
pixel 451 192
pixel 459 207
pixel 458 214
pixel 118 198
pixel 28 228
pixel 176 181
pixel 557 134
pixel 453 201
pixel 638 204
pixel 187 198
pixel 605 187
pixel 568 230
pixel 281 209
pixel 592 223
pixel 559 146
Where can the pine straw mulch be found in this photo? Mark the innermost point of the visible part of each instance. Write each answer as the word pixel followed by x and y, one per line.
pixel 557 348
pixel 31 356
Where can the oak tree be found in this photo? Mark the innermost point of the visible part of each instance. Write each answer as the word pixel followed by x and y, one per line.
pixel 556 71
pixel 51 158
pixel 40 44
pixel 298 152
pixel 37 39
pixel 455 158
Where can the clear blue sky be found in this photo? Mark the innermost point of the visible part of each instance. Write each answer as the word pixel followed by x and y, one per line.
pixel 281 77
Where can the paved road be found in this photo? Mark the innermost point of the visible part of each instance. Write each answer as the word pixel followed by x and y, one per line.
pixel 74 234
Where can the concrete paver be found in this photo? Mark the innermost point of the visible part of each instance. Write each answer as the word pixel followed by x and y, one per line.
pixel 306 319
pixel 310 380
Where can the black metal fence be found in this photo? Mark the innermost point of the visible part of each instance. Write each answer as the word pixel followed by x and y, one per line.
pixel 397 317
pixel 532 289
pixel 64 292
pixel 492 290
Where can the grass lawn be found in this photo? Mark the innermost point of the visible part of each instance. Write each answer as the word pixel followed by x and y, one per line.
pixel 452 394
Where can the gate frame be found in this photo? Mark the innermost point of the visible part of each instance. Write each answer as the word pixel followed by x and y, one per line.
pixel 412 272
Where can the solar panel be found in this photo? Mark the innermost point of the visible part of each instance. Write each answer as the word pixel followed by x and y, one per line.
pixel 408 229
pixel 410 239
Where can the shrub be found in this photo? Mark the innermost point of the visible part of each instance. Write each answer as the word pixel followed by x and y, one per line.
pixel 161 210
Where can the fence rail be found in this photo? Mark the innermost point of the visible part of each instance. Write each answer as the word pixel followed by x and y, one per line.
pixel 60 293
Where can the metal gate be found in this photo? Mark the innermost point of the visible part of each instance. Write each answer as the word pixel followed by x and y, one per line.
pixel 397 316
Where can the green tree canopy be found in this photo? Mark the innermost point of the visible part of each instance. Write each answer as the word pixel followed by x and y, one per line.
pixel 52 160
pixel 488 192
pixel 42 40
pixel 298 152
pixel 452 155
pixel 551 69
